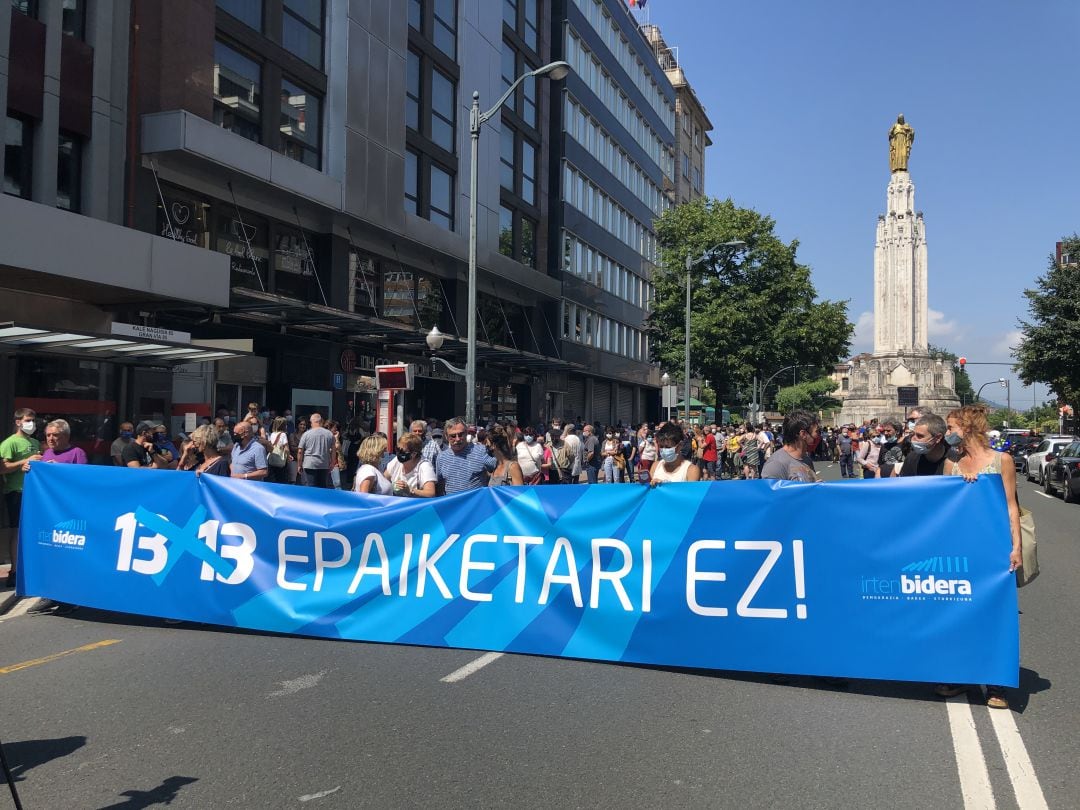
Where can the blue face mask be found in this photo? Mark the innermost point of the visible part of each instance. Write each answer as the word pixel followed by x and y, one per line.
pixel 953 439
pixel 668 454
pixel 126 434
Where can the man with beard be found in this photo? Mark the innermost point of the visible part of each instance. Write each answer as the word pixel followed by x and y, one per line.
pixel 794 461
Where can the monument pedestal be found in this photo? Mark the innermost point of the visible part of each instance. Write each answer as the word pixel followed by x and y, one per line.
pixel 901 357
pixel 873 384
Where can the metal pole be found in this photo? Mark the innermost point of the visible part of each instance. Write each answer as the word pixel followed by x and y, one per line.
pixel 686 364
pixel 470 352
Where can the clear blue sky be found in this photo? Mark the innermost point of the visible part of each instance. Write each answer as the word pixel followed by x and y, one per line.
pixel 802 95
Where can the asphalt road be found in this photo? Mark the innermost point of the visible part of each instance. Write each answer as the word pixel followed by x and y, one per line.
pixel 197 717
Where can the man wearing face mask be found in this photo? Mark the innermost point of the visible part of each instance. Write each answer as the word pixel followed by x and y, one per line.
pixel 891 455
pixel 16 453
pixel 590 448
pixel 127 433
pixel 929 449
pixel 794 461
pixel 247 459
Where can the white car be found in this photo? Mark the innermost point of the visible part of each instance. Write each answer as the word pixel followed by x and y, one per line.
pixel 1037 460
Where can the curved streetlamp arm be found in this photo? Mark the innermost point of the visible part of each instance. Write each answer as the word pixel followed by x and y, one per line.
pixel 459 371
pixel 482 117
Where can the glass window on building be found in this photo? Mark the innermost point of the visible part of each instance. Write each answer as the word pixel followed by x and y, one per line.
pixel 245 238
pixel 248 12
pixel 510 12
pixel 416 14
pixel 73 18
pixel 444 27
pixel 397 290
pixel 508 65
pixel 442 198
pixel 27 7
pixel 442 110
pixel 183 217
pixel 412 181
pixel 528 102
pixel 300 124
pixel 18 155
pixel 237 92
pixel 69 172
pixel 412 91
pixel 294 263
pixel 506 157
pixel 528 242
pixel 506 231
pixel 528 172
pixel 364 284
pixel 302 29
pixel 531 24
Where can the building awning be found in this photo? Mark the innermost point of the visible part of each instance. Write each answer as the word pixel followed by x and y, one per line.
pixel 276 310
pixel 113 348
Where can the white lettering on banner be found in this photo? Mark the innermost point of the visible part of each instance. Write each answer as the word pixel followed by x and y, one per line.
pixel 383 569
pixel 321 563
pixel 468 565
pixel 243 554
pixel 284 559
pixel 560 567
pixel 570 578
pixel 614 577
pixel 426 565
pixel 775 549
pixel 693 577
pixel 521 541
pixel 932 585
pixel 126 524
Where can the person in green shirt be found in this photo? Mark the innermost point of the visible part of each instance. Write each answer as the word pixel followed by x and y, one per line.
pixel 16 453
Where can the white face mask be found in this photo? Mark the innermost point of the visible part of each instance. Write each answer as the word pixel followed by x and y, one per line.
pixel 610 435
pixel 668 454
pixel 530 439
pixel 29 426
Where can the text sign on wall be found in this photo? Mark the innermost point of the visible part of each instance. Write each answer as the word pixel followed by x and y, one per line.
pixel 142 332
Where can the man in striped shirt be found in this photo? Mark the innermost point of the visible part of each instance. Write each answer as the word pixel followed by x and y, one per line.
pixel 463 465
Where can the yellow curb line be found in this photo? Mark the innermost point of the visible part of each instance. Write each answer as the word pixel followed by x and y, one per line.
pixel 45 660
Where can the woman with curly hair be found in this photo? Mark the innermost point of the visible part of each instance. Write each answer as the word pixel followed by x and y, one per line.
pixel 968 431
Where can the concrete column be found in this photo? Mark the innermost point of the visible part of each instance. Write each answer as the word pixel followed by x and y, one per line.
pixel 47 132
pixel 103 163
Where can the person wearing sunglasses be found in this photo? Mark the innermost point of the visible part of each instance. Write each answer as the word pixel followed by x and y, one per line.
pixel 463 465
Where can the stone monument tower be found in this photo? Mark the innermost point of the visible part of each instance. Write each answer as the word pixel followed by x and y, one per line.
pixel 901 360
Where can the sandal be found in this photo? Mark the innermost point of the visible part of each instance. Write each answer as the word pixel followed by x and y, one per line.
pixel 948 690
pixel 995 698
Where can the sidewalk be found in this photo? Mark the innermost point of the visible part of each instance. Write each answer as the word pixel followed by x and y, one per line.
pixel 8 598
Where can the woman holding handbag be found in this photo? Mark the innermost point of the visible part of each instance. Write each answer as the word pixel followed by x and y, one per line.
pixel 530 457
pixel 277 460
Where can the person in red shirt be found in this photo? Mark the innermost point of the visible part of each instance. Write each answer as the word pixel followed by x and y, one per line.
pixel 708 454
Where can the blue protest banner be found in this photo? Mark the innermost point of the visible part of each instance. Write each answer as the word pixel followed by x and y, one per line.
pixel 753 576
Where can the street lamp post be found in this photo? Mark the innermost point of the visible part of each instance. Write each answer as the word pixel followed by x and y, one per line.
pixel 556 71
pixel 690 262
pixel 665 381
pixel 1004 384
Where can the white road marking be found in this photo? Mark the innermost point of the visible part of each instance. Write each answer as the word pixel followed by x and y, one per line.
pixel 320 794
pixel 1029 795
pixel 297 684
pixel 1051 497
pixel 471 667
pixel 970 763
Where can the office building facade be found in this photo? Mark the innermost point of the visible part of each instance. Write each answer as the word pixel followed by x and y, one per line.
pixel 289 179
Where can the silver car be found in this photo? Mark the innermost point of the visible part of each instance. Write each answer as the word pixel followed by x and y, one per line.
pixel 1039 458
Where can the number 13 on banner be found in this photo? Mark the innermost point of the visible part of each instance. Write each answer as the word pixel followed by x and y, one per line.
pixel 774 550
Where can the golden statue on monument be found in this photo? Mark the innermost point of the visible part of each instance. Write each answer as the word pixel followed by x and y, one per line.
pixel 901 137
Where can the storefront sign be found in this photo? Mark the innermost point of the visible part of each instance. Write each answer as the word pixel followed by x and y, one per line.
pixel 348 360
pixel 143 332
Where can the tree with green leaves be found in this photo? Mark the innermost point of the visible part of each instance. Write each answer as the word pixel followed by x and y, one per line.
pixel 752 311
pixel 1049 351
pixel 811 395
pixel 964 390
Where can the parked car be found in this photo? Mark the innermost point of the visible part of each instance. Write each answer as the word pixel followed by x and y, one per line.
pixel 1042 455
pixel 1063 473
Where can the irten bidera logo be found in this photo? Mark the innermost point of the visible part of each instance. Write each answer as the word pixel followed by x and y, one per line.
pixel 68 533
pixel 938 579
